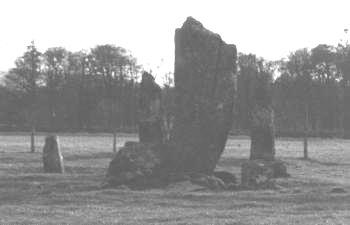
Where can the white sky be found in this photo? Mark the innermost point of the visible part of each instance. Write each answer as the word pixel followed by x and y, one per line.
pixel 270 28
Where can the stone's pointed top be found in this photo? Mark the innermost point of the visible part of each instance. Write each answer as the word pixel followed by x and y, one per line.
pixel 192 22
pixel 147 76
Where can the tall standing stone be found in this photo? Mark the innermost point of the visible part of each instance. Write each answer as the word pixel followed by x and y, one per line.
pixel 205 72
pixel 52 156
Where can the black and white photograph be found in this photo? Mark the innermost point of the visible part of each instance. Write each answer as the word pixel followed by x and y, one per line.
pixel 187 112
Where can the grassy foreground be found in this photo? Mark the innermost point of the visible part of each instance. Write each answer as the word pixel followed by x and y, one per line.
pixel 28 196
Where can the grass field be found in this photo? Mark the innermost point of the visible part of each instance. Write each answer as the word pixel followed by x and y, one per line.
pixel 28 196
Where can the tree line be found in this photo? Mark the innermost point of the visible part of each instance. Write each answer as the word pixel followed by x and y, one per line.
pixel 310 90
pixel 97 90
pixel 59 90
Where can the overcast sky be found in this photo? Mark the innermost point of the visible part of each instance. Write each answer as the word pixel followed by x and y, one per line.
pixel 270 28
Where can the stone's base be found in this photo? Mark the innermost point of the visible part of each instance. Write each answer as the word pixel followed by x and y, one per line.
pixel 143 165
pixel 259 174
pixel 52 157
pixel 150 165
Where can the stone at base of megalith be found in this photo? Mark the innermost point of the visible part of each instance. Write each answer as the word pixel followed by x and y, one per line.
pixel 259 174
pixel 137 165
pixel 52 157
pixel 150 165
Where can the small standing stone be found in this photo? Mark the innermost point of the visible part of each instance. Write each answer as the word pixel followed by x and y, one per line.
pixel 149 112
pixel 262 134
pixel 52 157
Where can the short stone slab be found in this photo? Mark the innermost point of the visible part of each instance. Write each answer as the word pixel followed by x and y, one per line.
pixel 259 174
pixel 52 156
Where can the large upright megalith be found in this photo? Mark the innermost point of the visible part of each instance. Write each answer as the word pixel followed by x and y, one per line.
pixel 205 70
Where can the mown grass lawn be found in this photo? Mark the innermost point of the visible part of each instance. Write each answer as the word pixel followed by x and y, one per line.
pixel 28 196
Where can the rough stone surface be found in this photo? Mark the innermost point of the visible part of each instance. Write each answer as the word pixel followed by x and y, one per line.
pixel 149 113
pixel 205 68
pixel 136 165
pixel 259 174
pixel 52 157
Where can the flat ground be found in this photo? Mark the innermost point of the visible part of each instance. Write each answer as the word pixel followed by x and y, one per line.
pixel 28 196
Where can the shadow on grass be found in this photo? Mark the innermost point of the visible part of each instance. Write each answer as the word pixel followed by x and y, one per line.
pixel 99 155
pixel 324 163
pixel 21 157
pixel 84 170
pixel 231 162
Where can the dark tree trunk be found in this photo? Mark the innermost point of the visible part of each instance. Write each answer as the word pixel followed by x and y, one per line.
pixel 114 141
pixel 32 139
pixel 346 117
pixel 345 69
pixel 306 131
